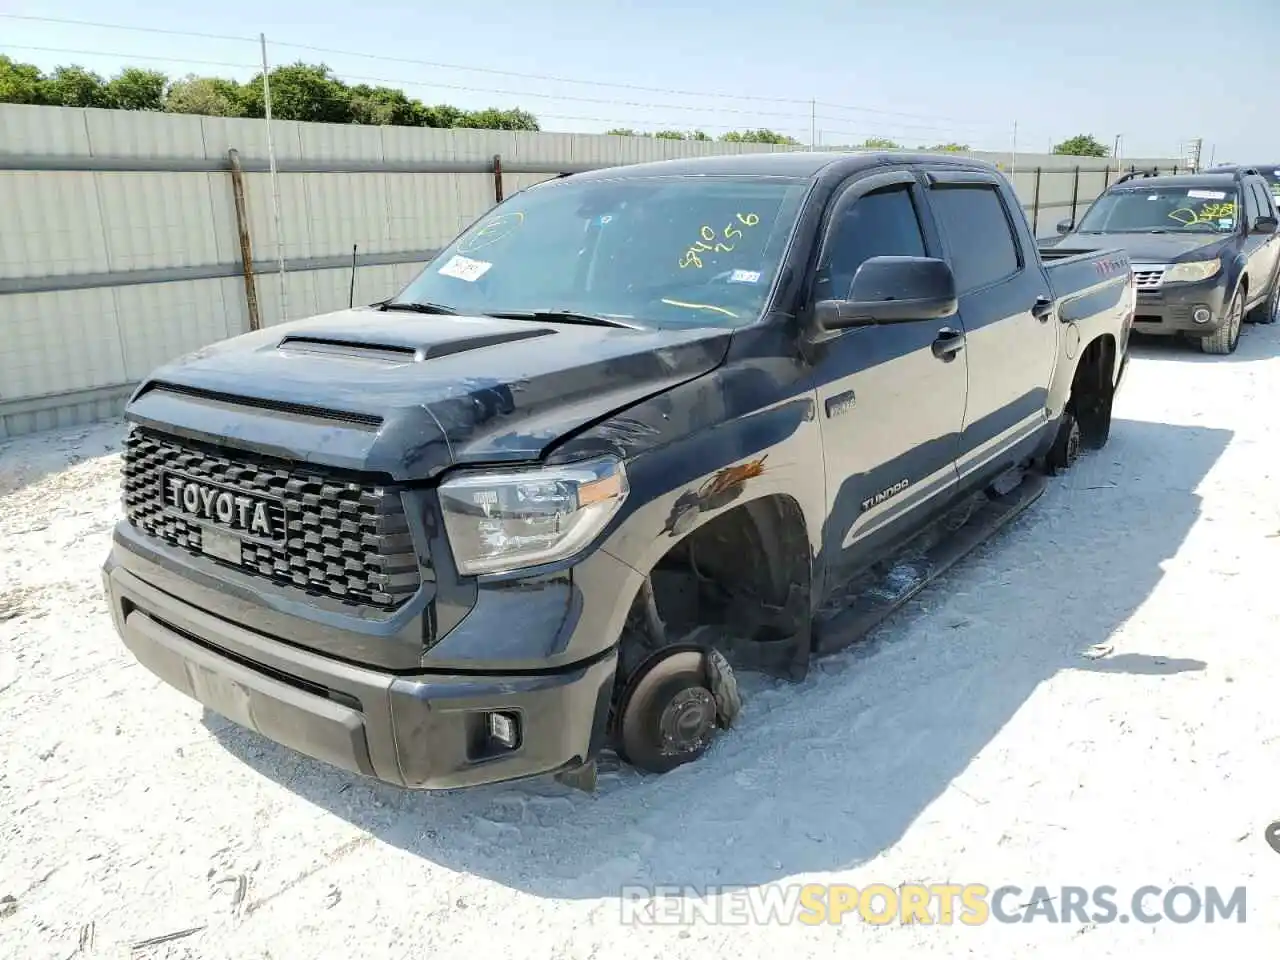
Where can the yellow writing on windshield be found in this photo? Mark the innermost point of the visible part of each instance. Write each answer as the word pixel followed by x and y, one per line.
pixel 710 242
pixel 1208 213
pixel 491 231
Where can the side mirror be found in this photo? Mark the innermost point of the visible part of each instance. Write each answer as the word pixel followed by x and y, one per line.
pixel 1265 224
pixel 893 290
pixel 1065 227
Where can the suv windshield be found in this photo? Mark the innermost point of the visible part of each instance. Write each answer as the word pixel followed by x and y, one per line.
pixel 679 251
pixel 1157 209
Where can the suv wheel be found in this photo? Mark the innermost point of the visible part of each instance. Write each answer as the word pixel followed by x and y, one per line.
pixel 1269 312
pixel 1225 339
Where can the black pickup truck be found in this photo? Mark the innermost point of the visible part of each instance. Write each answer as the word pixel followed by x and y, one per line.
pixel 1203 246
pixel 631 431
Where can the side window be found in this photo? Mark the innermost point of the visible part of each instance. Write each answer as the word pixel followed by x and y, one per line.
pixel 881 224
pixel 983 247
pixel 1263 198
pixel 1251 209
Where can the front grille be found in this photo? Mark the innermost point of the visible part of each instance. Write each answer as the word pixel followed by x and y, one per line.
pixel 329 537
pixel 1148 279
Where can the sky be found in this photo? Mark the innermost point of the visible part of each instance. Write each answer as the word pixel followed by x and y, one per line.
pixel 994 74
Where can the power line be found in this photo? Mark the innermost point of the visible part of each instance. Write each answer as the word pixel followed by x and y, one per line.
pixel 402 82
pixel 488 70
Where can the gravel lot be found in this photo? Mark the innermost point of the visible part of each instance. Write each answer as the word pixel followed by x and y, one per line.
pixel 972 740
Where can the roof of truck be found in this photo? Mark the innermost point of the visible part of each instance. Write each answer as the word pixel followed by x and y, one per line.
pixel 1215 179
pixel 788 163
pixel 1263 168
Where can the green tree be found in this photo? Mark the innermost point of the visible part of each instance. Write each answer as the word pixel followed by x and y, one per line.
pixel 207 96
pixel 1082 145
pixel 443 115
pixel 948 148
pixel 880 143
pixel 301 91
pixel 136 89
pixel 20 82
pixel 758 136
pixel 383 106
pixel 622 132
pixel 74 86
pixel 699 135
pixel 671 135
pixel 495 119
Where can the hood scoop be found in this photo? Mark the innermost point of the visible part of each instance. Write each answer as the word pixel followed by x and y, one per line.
pixel 405 351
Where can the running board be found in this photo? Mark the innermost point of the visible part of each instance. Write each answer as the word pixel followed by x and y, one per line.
pixel 873 597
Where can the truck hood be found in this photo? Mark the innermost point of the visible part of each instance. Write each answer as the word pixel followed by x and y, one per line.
pixel 1151 247
pixel 408 395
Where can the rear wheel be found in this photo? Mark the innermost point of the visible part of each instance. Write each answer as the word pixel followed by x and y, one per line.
pixel 1224 340
pixel 1269 311
pixel 1066 445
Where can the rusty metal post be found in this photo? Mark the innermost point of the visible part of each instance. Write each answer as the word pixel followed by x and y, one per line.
pixel 1035 205
pixel 246 244
pixel 1075 193
pixel 1106 176
pixel 497 178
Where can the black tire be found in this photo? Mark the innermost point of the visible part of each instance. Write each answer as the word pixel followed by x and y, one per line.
pixel 1066 445
pixel 1269 310
pixel 668 716
pixel 1094 416
pixel 1226 338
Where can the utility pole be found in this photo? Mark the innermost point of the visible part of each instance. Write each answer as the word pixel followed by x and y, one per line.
pixel 275 178
pixel 813 124
pixel 1115 148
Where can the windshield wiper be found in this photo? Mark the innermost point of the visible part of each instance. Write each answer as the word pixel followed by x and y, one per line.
pixel 410 306
pixel 565 316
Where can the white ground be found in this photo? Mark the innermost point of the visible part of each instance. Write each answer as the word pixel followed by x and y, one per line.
pixel 972 742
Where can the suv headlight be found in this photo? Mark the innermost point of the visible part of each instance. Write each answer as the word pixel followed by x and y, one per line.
pixel 1192 271
pixel 505 520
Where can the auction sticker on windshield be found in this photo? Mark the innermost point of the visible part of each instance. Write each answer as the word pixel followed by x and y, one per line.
pixel 1207 194
pixel 464 268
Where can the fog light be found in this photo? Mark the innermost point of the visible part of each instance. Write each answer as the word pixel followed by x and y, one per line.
pixel 1202 315
pixel 503 729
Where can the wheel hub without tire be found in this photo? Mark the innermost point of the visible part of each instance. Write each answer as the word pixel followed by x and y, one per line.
pixel 668 715
pixel 687 721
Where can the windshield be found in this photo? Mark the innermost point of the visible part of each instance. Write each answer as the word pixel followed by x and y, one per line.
pixel 1159 209
pixel 654 251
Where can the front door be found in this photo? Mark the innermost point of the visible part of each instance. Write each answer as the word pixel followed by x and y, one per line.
pixel 890 397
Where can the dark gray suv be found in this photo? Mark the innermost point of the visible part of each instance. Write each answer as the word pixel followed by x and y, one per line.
pixel 1204 249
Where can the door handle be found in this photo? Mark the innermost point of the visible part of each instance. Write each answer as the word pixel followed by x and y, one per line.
pixel 1042 308
pixel 949 342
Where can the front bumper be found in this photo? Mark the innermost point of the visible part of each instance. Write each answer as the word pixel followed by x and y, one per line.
pixel 1170 308
pixel 425 730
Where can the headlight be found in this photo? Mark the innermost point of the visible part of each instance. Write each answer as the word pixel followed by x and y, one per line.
pixel 509 519
pixel 1190 272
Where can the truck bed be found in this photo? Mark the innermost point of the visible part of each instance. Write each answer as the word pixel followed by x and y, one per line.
pixel 1075 272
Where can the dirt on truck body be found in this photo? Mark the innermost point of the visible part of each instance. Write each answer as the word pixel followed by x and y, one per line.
pixel 631 431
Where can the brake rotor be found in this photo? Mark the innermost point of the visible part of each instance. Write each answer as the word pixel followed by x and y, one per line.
pixel 668 714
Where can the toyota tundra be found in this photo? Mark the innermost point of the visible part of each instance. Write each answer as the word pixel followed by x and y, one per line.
pixel 632 431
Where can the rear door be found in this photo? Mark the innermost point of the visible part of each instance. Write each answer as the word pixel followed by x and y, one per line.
pixel 1006 308
pixel 890 397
